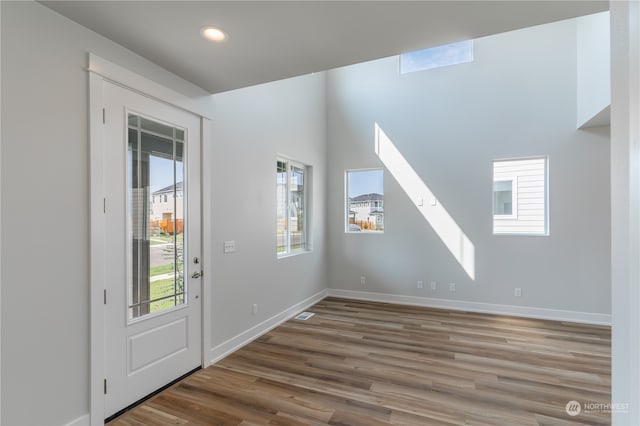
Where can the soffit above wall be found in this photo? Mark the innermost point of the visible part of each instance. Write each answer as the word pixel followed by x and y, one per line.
pixel 271 40
pixel 602 119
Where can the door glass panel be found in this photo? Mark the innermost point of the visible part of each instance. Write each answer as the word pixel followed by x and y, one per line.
pixel 155 208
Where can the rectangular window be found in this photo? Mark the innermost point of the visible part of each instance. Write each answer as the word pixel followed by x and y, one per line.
pixel 520 196
pixel 292 196
pixel 364 201
pixel 435 57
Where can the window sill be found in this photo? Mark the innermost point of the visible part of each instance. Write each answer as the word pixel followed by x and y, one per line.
pixel 293 254
pixel 364 232
pixel 521 234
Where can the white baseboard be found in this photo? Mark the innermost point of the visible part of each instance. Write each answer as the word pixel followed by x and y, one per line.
pixel 81 421
pixel 231 345
pixel 225 348
pixel 488 308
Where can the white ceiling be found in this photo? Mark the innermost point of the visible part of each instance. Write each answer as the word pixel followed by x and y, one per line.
pixel 272 40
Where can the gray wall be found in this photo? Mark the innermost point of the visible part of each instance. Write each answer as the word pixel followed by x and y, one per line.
pixel 594 66
pixel 251 127
pixel 45 211
pixel 517 99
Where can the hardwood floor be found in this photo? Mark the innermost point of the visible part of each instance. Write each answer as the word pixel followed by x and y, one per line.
pixel 362 363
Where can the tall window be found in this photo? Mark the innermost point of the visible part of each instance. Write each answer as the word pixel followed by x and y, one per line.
pixel 292 200
pixel 365 201
pixel 520 197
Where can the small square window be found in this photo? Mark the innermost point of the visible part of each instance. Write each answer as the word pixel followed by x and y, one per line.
pixel 520 197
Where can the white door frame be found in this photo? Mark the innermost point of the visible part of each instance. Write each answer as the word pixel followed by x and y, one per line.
pixel 101 70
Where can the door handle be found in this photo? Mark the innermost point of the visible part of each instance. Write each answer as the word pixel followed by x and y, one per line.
pixel 196 274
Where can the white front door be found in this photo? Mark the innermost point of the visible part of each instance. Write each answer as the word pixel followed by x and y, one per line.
pixel 152 207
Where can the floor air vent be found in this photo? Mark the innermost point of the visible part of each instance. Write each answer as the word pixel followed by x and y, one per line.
pixel 304 315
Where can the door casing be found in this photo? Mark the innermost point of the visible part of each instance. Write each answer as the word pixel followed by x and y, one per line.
pixel 101 70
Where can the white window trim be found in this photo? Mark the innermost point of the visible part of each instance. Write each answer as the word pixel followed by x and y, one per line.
pixel 306 247
pixel 514 199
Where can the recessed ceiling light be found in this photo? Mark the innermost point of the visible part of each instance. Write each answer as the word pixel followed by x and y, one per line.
pixel 213 34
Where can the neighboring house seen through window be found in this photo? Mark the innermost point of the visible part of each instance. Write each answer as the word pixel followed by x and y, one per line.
pixel 292 200
pixel 365 201
pixel 520 196
pixel 505 198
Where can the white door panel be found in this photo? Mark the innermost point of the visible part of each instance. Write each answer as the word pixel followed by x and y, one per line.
pixel 153 309
pixel 155 345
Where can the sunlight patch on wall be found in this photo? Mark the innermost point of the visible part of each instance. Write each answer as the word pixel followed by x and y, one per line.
pixel 426 202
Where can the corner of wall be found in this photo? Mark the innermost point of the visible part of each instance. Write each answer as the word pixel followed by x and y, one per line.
pixel 1 26
pixel 625 210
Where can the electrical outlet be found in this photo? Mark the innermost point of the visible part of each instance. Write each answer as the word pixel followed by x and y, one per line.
pixel 434 285
pixel 517 292
pixel 452 286
pixel 363 280
pixel 420 284
pixel 254 309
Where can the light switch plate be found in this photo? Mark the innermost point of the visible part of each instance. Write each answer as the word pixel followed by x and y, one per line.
pixel 229 246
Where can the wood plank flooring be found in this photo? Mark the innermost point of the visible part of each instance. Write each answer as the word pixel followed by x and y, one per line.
pixel 363 363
